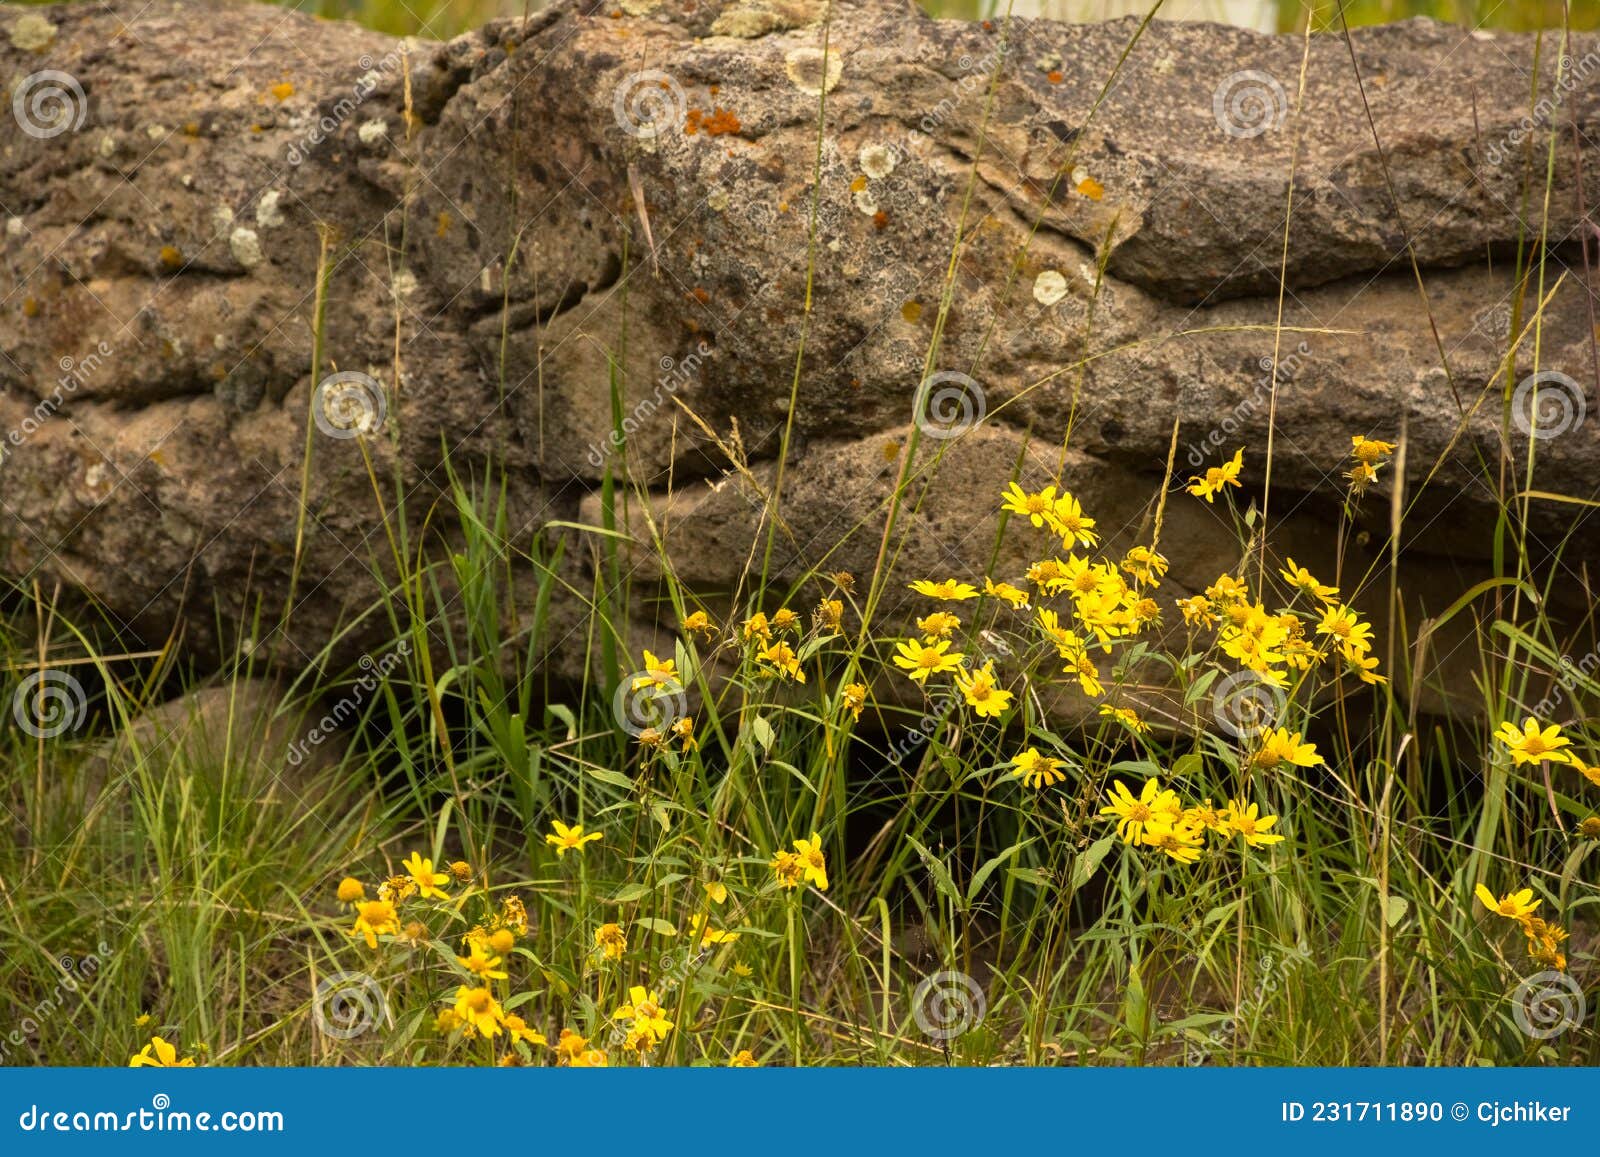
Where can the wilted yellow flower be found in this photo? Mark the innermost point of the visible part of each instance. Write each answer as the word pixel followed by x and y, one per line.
pixel 351 890
pixel 611 940
pixel 1369 450
pixel 788 869
pixel 514 915
pixel 756 627
pixel 1145 565
pixel 743 1059
pixel 830 614
pixel 784 619
pixel 938 625
pixel 683 730
pixel 854 697
pixel 460 871
pixel 1197 611
pixel 698 623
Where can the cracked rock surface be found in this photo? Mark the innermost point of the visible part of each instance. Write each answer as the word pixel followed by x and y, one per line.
pixel 512 221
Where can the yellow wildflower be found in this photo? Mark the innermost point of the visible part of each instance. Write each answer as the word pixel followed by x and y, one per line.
pixel 564 839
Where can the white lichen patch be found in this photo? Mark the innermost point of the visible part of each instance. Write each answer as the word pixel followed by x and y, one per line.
pixel 877 161
pixel 108 145
pixel 15 227
pixel 717 200
pixel 32 33
pixel 639 7
pixel 157 132
pixel 405 284
pixel 246 247
pixel 811 72
pixel 221 220
pixel 1049 287
pixel 268 214
pixel 866 203
pixel 372 132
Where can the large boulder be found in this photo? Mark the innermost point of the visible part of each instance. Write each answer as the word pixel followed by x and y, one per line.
pixel 644 211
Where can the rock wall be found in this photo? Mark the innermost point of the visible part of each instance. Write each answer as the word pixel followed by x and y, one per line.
pixel 514 221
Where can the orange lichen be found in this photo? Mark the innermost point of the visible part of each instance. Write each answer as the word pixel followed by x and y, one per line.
pixel 191 128
pixel 911 311
pixel 1054 76
pixel 30 307
pixel 1091 188
pixel 283 90
pixel 891 451
pixel 858 184
pixel 444 223
pixel 171 256
pixel 880 220
pixel 719 122
pixel 699 295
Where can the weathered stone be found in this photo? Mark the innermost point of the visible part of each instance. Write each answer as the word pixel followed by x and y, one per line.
pixel 601 194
